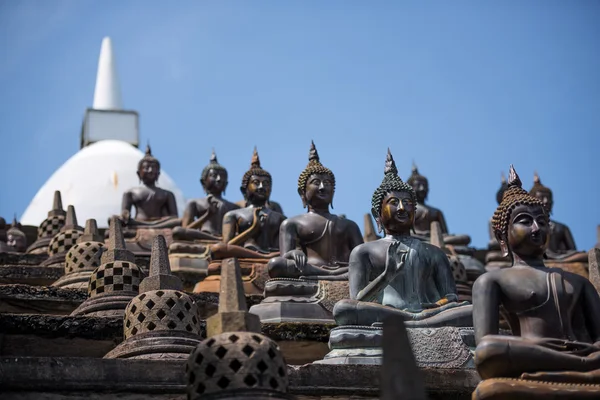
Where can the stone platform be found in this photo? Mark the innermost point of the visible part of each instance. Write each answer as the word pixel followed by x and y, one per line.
pixel 52 378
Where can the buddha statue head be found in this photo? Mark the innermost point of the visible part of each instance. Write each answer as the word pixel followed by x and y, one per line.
pixel 256 183
pixel 214 177
pixel 419 184
pixel 394 202
pixel 503 186
pixel 542 192
pixel 148 168
pixel 16 237
pixel 316 184
pixel 520 222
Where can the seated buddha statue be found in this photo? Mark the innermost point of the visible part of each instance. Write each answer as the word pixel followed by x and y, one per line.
pixel 252 231
pixel 155 207
pixel 554 314
pixel 208 210
pixel 561 245
pixel 16 238
pixel 426 214
pixel 317 244
pixel 400 274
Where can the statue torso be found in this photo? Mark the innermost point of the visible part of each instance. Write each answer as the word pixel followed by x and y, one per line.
pixel 324 238
pixel 558 242
pixel 150 203
pixel 214 223
pixel 546 302
pixel 424 216
pixel 267 236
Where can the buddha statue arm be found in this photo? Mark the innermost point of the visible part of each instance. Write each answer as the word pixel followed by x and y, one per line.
pixel 592 311
pixel 126 205
pixel 442 221
pixel 193 209
pixel 171 205
pixel 394 263
pixel 569 242
pixel 486 309
pixel 355 237
pixel 444 280
pixel 242 237
pixel 359 270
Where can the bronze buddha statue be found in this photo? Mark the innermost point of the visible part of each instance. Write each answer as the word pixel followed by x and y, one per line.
pixel 561 245
pixel 252 231
pixel 155 207
pixel 208 210
pixel 16 237
pixel 426 214
pixel 400 274
pixel 317 244
pixel 554 314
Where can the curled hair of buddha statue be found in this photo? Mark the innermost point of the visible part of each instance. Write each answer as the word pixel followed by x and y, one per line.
pixel 391 182
pixel 148 157
pixel 212 164
pixel 514 196
pixel 314 166
pixel 415 175
pixel 255 169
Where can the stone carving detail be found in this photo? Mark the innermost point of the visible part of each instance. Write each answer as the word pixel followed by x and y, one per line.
pixel 115 276
pixel 65 239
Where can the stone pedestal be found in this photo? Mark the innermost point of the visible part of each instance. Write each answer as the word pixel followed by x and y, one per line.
pixel 254 276
pixel 447 347
pixel 298 300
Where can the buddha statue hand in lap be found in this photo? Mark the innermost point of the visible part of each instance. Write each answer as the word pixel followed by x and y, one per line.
pixel 315 245
pixel 553 314
pixel 155 207
pixel 422 291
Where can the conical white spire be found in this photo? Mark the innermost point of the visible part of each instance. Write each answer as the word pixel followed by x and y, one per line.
pixel 107 95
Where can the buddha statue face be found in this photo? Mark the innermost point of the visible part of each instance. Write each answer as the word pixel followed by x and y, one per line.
pixel 17 241
pixel 258 189
pixel 421 188
pixel 319 190
pixel 148 172
pixel 397 212
pixel 214 181
pixel 528 232
pixel 545 197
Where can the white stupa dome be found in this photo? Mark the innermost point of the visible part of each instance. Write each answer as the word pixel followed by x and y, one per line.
pixel 93 181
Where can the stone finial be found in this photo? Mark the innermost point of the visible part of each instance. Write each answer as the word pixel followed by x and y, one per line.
pixel 233 315
pixel 594 267
pixel 71 221
pixel 57 207
pixel 160 277
pixel 398 356
pixel 116 250
pixel 437 236
pixel 90 233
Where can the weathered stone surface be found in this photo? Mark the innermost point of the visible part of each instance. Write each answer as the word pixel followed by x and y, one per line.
pixel 30 274
pixel 22 259
pixel 594 267
pixel 104 378
pixel 26 299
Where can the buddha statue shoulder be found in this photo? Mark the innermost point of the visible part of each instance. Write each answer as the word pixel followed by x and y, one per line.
pixel 272 205
pixel 400 274
pixel 554 314
pixel 426 214
pixel 203 218
pixel 252 231
pixel 155 207
pixel 561 245
pixel 317 244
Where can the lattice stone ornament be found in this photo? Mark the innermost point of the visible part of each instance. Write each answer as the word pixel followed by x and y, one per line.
pixel 49 227
pixel 236 361
pixel 67 236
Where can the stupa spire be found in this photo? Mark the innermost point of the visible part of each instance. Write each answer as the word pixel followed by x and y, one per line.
pixel 107 95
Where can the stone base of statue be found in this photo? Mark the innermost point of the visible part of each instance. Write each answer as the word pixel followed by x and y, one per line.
pixel 254 276
pixel 159 345
pixel 110 304
pixel 299 300
pixel 76 280
pixel 557 387
pixel 445 347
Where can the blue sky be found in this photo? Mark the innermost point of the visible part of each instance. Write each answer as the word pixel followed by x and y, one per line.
pixel 464 88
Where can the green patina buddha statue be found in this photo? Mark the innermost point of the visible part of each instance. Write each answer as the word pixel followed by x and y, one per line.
pixel 554 314
pixel 317 244
pixel 155 207
pixel 400 274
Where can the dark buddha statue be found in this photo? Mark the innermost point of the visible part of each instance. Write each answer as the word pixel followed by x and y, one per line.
pixel 561 244
pixel 252 231
pixel 209 210
pixel 4 247
pixel 426 214
pixel 155 207
pixel 317 244
pixel 493 244
pixel 16 238
pixel 554 314
pixel 400 274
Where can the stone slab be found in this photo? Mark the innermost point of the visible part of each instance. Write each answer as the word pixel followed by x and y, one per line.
pixel 26 299
pixel 62 378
